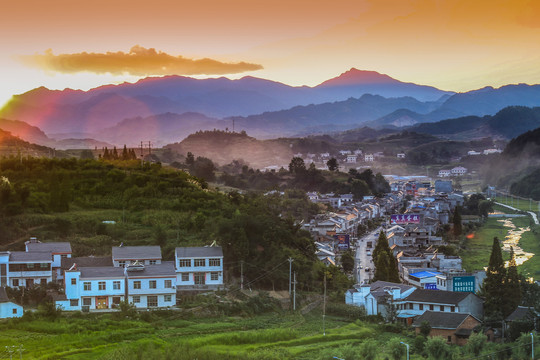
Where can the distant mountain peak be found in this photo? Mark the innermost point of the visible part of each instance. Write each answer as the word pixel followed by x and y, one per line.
pixel 359 77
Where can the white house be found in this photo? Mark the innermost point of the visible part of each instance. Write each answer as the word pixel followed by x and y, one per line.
pixel 492 151
pixel 459 170
pixel 145 286
pixel 25 269
pixel 125 255
pixel 369 158
pixel 58 251
pixel 8 309
pixel 473 153
pixel 401 156
pixel 199 267
pixel 445 173
pixel 375 297
pixel 345 152
pixel 351 159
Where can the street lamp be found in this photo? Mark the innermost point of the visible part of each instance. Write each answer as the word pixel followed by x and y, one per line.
pixel 407 345
pixel 532 346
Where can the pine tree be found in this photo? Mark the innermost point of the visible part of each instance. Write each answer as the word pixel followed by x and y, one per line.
pixel 458 227
pixel 493 288
pixel 512 286
pixel 106 155
pixel 115 154
pixel 125 155
pixel 385 263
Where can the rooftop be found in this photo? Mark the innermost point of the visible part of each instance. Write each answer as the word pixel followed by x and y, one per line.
pixel 190 252
pixel 53 247
pixel 442 320
pixel 87 261
pixel 437 296
pixel 136 252
pixel 425 274
pixel 23 256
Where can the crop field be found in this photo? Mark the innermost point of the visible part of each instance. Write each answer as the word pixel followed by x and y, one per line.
pixel 522 204
pixel 170 335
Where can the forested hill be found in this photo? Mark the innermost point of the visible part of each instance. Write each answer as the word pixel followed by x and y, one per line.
pixel 507 123
pixel 525 144
pixel 68 200
pixel 12 145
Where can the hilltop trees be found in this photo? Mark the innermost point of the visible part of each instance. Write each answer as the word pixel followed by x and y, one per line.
pixel 385 262
pixel 332 164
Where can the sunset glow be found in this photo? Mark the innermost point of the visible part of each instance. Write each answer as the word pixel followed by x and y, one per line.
pixel 453 45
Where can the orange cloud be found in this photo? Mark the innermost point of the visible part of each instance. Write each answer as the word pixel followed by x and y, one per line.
pixel 138 62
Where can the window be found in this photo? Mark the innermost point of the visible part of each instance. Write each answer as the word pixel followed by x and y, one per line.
pixel 152 284
pixel 442 308
pixel 116 285
pixel 102 285
pixel 184 263
pixel 199 262
pixel 452 308
pixel 431 307
pixel 87 301
pixel 15 282
pixel 153 262
pixel 185 276
pixel 43 281
pixel 214 276
pixel 421 306
pixel 43 265
pixel 14 310
pixel 74 302
pixel 199 278
pixel 449 339
pixel 411 306
pixel 167 298
pixel 87 286
pixel 214 262
pixel 168 284
pixel 136 299
pixel 30 266
pixel 116 300
pixel 63 256
pixel 122 263
pixel 73 281
pixel 151 301
pixel 137 284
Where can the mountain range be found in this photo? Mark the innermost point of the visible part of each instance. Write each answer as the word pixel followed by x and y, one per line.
pixel 167 109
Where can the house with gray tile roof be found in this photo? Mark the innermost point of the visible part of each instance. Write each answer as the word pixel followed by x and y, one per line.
pixel 455 328
pixel 199 268
pixel 25 269
pixel 124 255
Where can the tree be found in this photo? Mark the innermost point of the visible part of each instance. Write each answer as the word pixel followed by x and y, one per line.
pixel 425 328
pixel 385 263
pixel 485 207
pixel 332 164
pixel 493 288
pixel 297 165
pixel 437 349
pixel 397 349
pixel 475 344
pixel 369 349
pixel 512 286
pixel 458 227
pixel 347 261
pixel 190 159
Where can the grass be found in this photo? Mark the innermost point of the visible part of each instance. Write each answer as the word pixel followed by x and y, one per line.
pixel 522 204
pixel 270 336
pixel 476 252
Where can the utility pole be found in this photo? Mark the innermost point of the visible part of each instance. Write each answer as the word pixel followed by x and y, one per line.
pixel 242 275
pixel 149 148
pixel 502 329
pixel 532 346
pixel 294 292
pixel 290 269
pixel 324 307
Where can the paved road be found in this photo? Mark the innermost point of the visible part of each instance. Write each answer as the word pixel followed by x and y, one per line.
pixel 362 260
pixel 535 218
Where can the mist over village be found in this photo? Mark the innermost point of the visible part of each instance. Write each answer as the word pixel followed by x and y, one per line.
pixel 255 180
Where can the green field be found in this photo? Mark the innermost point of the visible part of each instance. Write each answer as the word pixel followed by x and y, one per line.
pixel 476 251
pixel 525 205
pixel 171 335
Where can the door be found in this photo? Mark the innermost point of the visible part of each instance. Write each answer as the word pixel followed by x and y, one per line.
pixel 200 278
pixel 102 302
pixel 29 283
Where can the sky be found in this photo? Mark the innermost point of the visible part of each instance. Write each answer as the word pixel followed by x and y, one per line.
pixel 454 45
